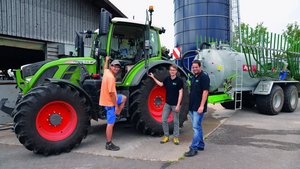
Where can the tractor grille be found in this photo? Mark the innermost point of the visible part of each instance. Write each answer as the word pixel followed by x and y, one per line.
pixel 49 73
pixel 69 72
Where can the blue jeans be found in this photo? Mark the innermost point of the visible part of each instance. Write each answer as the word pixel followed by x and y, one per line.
pixel 198 142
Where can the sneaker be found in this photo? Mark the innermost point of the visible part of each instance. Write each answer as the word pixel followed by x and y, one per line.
pixel 164 139
pixel 200 149
pixel 176 140
pixel 111 146
pixel 190 153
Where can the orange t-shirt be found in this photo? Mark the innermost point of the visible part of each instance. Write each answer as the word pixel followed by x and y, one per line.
pixel 108 85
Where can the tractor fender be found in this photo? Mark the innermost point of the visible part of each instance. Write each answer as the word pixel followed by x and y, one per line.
pixel 142 72
pixel 81 90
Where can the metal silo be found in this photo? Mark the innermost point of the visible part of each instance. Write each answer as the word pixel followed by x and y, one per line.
pixel 197 19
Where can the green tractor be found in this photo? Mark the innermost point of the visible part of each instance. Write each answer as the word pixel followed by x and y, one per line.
pixel 59 98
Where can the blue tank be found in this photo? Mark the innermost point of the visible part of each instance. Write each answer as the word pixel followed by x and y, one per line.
pixel 197 19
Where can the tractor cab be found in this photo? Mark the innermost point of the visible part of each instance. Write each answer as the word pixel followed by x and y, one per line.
pixel 126 43
pixel 129 41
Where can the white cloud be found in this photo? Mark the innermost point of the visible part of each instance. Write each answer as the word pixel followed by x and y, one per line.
pixel 274 14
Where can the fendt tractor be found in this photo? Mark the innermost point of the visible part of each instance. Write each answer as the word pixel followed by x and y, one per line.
pixel 266 75
pixel 59 98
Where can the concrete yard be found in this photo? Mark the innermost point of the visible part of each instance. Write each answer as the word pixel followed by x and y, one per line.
pixel 242 139
pixel 135 145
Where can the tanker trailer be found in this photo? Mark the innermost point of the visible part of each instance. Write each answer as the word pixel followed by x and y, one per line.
pixel 237 79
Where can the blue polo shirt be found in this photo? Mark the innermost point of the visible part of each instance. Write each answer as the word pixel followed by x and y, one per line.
pixel 198 85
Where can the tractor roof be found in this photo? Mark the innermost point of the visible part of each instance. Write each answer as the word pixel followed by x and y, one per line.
pixel 125 20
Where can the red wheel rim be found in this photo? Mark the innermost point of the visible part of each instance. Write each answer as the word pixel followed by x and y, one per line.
pixel 56 121
pixel 156 102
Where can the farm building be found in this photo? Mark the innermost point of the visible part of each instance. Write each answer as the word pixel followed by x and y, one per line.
pixel 37 30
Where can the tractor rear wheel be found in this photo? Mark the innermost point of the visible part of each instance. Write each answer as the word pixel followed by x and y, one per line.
pixel 290 98
pixel 51 119
pixel 271 104
pixel 147 102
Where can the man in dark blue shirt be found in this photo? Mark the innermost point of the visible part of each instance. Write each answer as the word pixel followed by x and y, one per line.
pixel 198 106
pixel 174 93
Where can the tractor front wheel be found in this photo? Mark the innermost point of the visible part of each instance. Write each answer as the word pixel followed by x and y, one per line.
pixel 51 119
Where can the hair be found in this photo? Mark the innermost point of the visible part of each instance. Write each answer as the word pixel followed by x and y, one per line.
pixel 197 62
pixel 173 66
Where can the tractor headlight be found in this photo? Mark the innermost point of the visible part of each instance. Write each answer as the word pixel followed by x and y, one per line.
pixel 10 73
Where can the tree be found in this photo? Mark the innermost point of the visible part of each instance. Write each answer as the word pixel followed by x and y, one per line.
pixel 293 35
pixel 165 51
pixel 293 31
pixel 249 35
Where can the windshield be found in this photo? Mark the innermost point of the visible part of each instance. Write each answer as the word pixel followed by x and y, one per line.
pixel 103 42
pixel 127 42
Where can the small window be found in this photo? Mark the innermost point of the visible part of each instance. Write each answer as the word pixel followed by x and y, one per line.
pixel 103 42
pixel 154 43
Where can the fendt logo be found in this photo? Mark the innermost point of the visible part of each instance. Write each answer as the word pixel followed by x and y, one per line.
pixel 85 62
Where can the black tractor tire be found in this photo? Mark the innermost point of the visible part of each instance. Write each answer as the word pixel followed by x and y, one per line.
pixel 290 98
pixel 49 135
pixel 141 115
pixel 271 104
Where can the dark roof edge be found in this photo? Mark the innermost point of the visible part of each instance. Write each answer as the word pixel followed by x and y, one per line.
pixel 115 8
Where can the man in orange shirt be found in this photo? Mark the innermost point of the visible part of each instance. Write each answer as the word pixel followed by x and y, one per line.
pixel 110 100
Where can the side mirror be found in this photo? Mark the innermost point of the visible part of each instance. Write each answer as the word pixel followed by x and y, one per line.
pixel 105 18
pixel 79 45
pixel 162 30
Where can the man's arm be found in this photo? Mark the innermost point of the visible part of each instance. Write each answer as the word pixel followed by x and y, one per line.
pixel 106 62
pixel 114 99
pixel 203 101
pixel 159 83
pixel 177 109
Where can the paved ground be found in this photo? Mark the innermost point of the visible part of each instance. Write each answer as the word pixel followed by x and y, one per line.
pixel 250 140
pixel 133 144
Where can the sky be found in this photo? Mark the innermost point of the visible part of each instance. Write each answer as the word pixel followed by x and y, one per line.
pixel 275 15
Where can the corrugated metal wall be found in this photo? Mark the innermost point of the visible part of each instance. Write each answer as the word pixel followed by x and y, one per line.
pixel 47 20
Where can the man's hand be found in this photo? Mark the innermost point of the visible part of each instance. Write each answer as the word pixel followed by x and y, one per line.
pixel 177 109
pixel 200 109
pixel 118 110
pixel 159 83
pixel 107 58
pixel 151 75
pixel 106 62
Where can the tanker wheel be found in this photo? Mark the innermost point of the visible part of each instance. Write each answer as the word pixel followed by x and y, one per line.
pixel 51 119
pixel 290 98
pixel 271 104
pixel 147 102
